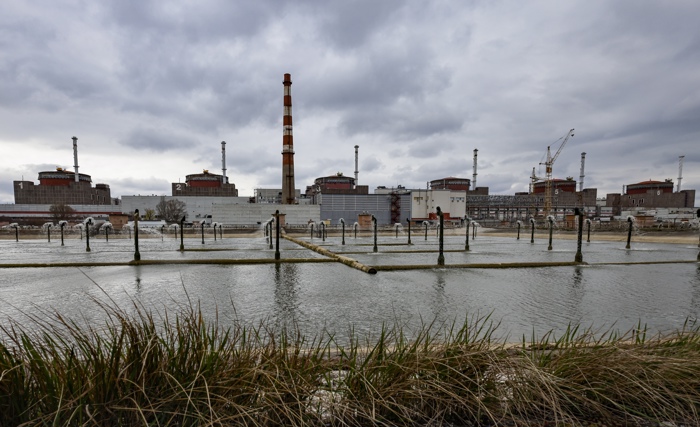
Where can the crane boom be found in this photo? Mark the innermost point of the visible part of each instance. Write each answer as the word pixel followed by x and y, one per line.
pixel 548 169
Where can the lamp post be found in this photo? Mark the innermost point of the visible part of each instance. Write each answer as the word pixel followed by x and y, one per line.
pixel 182 231
pixel 323 231
pixel 16 227
pixel 342 224
pixel 374 225
pixel 277 234
pixel 107 226
pixel 441 256
pixel 550 218
pixel 137 254
pixel 408 220
pixel 48 231
pixel 62 224
pixel 270 222
pixel 214 226
pixel 519 224
pixel 698 227
pixel 221 231
pixel 630 220
pixel 202 226
pixel 532 230
pixel 87 233
pixel 425 225
pixel 579 254
pixel 312 231
pixel 588 238
pixel 162 233
pixel 467 221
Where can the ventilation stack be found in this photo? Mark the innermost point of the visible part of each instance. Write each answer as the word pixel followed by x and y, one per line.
pixel 224 179
pixel 680 171
pixel 580 178
pixel 474 175
pixel 287 145
pixel 75 159
pixel 356 169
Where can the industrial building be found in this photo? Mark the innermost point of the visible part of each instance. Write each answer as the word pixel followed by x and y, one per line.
pixel 63 187
pixel 204 184
pixel 650 195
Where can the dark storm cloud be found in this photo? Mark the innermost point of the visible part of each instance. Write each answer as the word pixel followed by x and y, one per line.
pixel 351 23
pixel 156 140
pixel 423 83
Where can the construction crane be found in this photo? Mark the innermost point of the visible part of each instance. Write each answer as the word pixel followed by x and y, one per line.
pixel 548 171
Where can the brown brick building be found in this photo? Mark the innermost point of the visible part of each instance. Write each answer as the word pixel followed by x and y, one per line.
pixel 205 184
pixel 61 187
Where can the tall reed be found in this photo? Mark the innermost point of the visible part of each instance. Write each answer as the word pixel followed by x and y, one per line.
pixel 183 369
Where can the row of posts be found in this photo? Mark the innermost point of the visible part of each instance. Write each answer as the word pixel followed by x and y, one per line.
pixel 275 220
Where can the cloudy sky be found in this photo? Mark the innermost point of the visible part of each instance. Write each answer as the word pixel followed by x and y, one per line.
pixel 152 88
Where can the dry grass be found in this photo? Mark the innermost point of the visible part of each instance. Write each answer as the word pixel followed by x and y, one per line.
pixel 179 369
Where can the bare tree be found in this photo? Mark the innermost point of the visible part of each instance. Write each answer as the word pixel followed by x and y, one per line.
pixel 149 215
pixel 171 210
pixel 61 211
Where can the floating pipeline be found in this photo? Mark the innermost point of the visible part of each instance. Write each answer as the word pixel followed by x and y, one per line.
pixel 345 260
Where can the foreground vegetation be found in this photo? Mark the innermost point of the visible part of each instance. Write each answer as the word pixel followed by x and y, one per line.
pixel 179 369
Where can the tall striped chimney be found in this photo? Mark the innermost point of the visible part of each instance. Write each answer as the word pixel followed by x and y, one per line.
pixel 223 163
pixel 75 158
pixel 287 145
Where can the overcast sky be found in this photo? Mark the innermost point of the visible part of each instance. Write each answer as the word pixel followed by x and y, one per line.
pixel 152 88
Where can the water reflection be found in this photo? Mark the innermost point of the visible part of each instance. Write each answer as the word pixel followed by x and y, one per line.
pixel 695 291
pixel 438 302
pixel 574 298
pixel 286 294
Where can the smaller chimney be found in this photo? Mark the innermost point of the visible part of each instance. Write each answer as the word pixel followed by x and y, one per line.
pixel 474 175
pixel 75 158
pixel 356 169
pixel 223 162
pixel 580 178
pixel 680 171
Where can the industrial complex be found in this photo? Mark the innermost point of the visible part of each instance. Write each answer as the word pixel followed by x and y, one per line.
pixel 210 197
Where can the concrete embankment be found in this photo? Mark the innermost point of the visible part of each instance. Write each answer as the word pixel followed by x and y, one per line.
pixel 168 262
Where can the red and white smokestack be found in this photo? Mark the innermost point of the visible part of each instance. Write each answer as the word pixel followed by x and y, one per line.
pixel 474 174
pixel 75 158
pixel 287 145
pixel 356 169
pixel 223 163
pixel 680 172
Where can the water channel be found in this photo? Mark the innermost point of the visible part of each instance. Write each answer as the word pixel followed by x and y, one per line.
pixel 609 292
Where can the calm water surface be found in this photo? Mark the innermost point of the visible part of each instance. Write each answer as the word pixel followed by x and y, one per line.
pixel 336 298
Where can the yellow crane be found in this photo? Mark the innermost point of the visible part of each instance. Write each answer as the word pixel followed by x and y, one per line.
pixel 548 171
